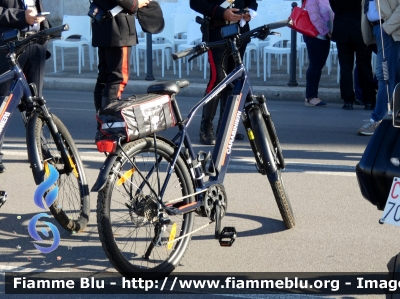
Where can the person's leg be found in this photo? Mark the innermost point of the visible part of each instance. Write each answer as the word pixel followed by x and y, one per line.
pixel 229 66
pixel 32 63
pixel 357 87
pixel 385 89
pixel 392 56
pixel 317 51
pixel 118 67
pixel 346 61
pixel 216 76
pixel 101 79
pixel 364 74
pixel 209 110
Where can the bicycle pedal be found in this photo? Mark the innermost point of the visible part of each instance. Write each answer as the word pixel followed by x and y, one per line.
pixel 3 198
pixel 227 236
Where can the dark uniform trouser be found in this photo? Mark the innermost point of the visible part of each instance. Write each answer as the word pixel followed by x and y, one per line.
pixel 363 59
pixel 113 74
pixel 217 74
pixel 32 63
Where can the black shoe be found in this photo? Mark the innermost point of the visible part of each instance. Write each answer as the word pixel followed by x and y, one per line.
pixel 207 135
pixel 239 136
pixel 2 167
pixel 358 102
pixel 348 106
pixel 369 107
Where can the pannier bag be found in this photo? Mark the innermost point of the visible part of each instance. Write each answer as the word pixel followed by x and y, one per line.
pixel 375 172
pixel 135 117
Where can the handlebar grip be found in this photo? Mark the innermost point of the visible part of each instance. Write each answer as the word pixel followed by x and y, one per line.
pixel 199 20
pixel 56 30
pixel 278 24
pixel 184 53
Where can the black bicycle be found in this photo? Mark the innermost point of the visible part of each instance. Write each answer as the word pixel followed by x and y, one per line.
pixel 149 188
pixel 48 140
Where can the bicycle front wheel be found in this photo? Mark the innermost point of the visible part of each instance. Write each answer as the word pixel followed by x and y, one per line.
pixel 72 206
pixel 137 235
pixel 265 151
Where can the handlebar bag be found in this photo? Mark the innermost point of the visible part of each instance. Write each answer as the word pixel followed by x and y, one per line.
pixel 135 117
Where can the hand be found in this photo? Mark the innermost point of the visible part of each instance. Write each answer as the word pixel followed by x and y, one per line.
pixel 246 17
pixel 31 18
pixel 230 16
pixel 143 3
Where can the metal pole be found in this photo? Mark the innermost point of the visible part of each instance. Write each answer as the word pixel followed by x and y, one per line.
pixel 149 57
pixel 293 54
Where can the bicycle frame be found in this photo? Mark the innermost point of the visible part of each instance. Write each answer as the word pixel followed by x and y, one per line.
pixel 20 93
pixel 242 93
pixel 226 137
pixel 19 90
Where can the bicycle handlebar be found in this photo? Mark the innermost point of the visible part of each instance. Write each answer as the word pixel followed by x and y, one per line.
pixel 44 34
pixel 260 32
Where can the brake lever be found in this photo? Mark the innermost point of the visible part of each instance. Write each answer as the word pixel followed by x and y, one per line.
pixel 275 33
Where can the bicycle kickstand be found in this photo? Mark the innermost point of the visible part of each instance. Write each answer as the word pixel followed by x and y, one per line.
pixel 227 236
pixel 3 198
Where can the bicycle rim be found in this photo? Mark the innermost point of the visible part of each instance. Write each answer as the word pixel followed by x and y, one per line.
pixel 72 206
pixel 128 221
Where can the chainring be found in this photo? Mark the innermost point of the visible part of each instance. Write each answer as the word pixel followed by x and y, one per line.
pixel 215 195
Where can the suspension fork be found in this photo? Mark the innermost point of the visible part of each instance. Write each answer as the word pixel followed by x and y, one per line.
pixel 33 148
pixel 268 167
pixel 271 130
pixel 56 136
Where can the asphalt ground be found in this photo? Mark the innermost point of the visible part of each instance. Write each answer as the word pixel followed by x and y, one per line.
pixel 337 230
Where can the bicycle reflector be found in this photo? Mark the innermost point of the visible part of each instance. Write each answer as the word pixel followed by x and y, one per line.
pixel 106 146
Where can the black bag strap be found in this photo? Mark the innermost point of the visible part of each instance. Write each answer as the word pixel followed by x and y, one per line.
pixel 139 120
pixel 168 120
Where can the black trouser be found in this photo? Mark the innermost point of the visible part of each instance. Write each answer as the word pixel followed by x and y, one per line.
pixel 363 60
pixel 217 74
pixel 113 74
pixel 32 63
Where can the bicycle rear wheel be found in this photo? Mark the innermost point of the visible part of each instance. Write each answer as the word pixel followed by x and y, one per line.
pixel 133 235
pixel 265 148
pixel 72 206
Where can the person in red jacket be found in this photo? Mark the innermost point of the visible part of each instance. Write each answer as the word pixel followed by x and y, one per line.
pixel 22 15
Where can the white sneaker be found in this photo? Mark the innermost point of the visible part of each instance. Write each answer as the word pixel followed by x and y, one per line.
pixel 369 128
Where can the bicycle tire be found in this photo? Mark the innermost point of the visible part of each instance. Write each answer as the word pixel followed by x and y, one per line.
pixel 263 145
pixel 71 208
pixel 127 219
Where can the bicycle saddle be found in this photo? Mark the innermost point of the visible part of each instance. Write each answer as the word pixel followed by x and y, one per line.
pixel 167 87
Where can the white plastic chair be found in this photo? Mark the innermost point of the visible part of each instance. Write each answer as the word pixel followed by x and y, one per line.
pixel 193 36
pixel 78 26
pixel 163 41
pixel 302 48
pixel 273 48
pixel 331 56
pixel 182 21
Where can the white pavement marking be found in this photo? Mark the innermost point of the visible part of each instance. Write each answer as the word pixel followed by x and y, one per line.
pixel 292 166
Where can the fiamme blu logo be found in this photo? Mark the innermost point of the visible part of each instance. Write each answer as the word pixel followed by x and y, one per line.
pixel 49 198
